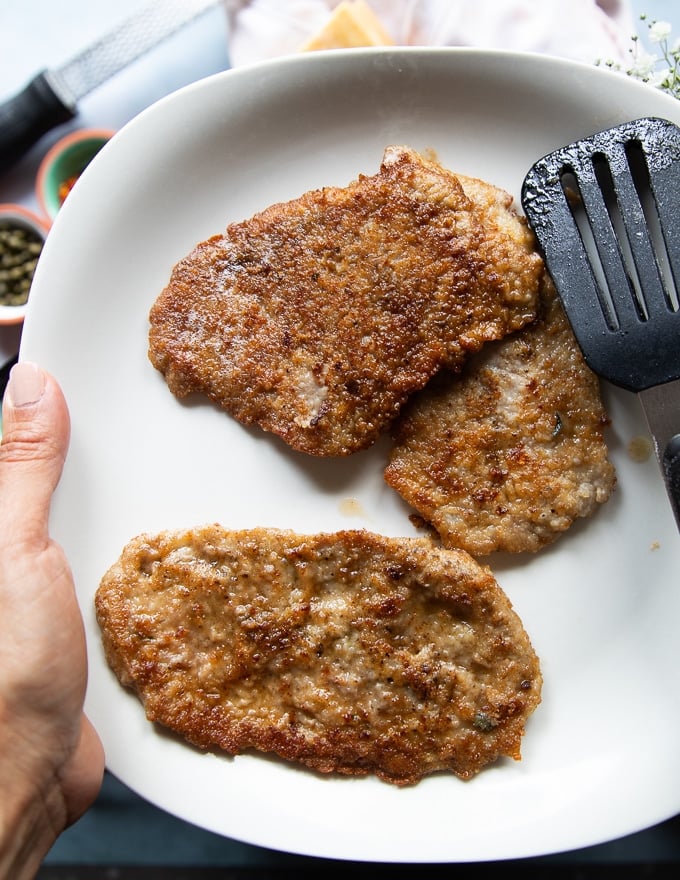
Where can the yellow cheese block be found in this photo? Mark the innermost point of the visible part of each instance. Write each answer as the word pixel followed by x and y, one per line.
pixel 353 23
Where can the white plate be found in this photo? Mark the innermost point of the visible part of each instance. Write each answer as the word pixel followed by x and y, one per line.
pixel 600 755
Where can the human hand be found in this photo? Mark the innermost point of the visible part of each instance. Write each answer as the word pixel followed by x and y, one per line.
pixel 51 759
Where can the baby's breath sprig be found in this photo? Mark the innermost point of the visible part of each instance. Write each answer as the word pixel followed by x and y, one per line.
pixel 662 69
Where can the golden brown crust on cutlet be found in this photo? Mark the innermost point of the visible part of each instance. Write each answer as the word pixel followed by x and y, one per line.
pixel 508 454
pixel 346 652
pixel 317 318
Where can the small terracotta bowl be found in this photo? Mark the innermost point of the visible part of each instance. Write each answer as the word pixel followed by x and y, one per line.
pixel 22 235
pixel 64 163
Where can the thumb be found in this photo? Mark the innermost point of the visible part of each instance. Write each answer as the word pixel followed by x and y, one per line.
pixel 35 439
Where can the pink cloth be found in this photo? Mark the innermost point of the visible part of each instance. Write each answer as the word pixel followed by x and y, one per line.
pixel 584 30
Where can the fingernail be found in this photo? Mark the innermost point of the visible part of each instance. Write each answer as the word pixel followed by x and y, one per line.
pixel 26 384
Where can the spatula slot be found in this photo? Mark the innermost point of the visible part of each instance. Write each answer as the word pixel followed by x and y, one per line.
pixel 574 198
pixel 605 181
pixel 639 169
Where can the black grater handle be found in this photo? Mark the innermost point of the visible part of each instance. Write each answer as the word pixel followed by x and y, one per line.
pixel 26 117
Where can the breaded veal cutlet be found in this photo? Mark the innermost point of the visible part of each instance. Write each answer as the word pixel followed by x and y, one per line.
pixel 507 455
pixel 349 652
pixel 317 318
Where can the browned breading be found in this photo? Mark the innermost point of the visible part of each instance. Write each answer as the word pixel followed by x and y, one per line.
pixel 507 455
pixel 317 318
pixel 346 652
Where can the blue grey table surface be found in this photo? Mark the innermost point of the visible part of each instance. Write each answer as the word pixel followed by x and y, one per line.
pixel 123 836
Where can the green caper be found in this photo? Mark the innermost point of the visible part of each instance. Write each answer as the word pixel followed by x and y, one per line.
pixel 20 248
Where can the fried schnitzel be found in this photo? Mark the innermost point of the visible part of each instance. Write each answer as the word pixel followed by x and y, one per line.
pixel 317 318
pixel 508 454
pixel 347 652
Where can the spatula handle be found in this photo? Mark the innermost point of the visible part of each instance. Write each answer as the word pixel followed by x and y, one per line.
pixel 671 472
pixel 661 405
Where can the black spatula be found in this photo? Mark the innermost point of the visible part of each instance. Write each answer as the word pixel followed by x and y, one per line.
pixel 606 213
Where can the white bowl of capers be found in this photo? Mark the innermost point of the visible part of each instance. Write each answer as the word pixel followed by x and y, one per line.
pixel 22 235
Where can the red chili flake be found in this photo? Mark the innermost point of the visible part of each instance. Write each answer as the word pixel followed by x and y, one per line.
pixel 65 187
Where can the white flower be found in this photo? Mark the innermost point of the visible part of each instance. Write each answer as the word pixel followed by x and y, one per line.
pixel 661 71
pixel 643 65
pixel 660 79
pixel 659 31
